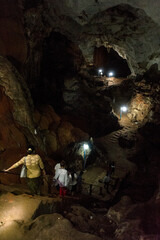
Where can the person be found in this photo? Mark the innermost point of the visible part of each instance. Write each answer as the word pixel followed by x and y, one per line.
pixel 34 165
pixel 72 184
pixel 106 181
pixel 111 168
pixel 57 166
pixel 62 178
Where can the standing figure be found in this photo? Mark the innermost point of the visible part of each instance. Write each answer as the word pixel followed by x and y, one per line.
pixel 62 178
pixel 111 168
pixel 34 166
pixel 72 184
pixel 57 166
pixel 106 181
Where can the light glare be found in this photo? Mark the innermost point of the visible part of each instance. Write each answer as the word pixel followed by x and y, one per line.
pixel 124 109
pixel 110 74
pixel 85 146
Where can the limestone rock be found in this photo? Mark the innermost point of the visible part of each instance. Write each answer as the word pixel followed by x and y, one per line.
pixel 129 230
pixel 80 97
pixel 66 134
pixel 86 221
pixel 55 227
pixel 19 95
pixel 119 212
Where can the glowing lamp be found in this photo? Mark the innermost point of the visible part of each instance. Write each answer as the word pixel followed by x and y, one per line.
pixel 122 109
pixel 110 74
pixel 85 146
pixel 100 72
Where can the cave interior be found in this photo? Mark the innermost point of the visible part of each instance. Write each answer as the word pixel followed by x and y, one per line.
pixel 74 74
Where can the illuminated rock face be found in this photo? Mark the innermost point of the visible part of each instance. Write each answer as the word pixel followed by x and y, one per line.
pixel 83 11
pixel 129 27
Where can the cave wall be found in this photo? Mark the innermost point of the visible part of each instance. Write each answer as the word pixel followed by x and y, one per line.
pixel 109 61
pixel 13 43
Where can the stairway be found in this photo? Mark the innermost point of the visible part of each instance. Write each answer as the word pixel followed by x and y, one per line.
pixel 118 154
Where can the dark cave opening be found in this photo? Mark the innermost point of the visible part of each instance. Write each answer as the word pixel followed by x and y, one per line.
pixel 61 59
pixel 109 60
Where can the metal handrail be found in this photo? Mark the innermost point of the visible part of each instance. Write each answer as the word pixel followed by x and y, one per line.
pixel 49 184
pixel 1 171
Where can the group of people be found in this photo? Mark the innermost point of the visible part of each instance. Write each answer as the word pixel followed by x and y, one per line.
pixel 67 180
pixel 64 180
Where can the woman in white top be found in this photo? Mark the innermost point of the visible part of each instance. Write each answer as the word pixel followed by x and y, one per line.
pixel 62 178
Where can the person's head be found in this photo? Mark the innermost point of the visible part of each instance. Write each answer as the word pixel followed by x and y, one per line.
pixel 62 163
pixel 81 173
pixel 31 150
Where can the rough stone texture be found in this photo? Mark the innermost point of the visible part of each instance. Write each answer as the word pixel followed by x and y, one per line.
pixel 129 27
pixel 139 108
pixel 57 133
pixel 126 228
pixel 130 32
pixel 87 221
pixel 68 134
pixel 22 106
pixel 17 214
pixel 55 227
pixel 83 10
pixel 19 121
pixel 85 100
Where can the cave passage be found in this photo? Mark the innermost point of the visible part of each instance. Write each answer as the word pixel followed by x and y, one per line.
pixel 110 61
pixel 61 59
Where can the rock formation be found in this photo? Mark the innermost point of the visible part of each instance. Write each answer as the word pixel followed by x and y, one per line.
pixel 53 97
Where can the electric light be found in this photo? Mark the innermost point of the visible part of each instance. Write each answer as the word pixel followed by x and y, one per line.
pixel 85 146
pixel 110 74
pixel 124 109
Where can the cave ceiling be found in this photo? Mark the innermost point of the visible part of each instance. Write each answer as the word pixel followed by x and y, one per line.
pixel 130 27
